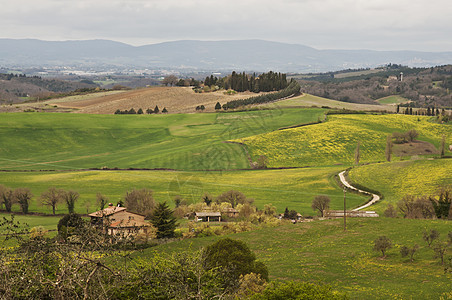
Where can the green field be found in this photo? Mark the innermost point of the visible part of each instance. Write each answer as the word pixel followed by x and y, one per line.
pixel 321 252
pixel 392 100
pixel 395 180
pixel 307 100
pixel 293 188
pixel 46 141
pixel 334 142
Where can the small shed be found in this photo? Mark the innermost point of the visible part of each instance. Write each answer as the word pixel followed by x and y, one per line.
pixel 212 216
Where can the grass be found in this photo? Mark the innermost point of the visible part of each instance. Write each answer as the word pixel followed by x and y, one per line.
pixel 392 100
pixel 46 141
pixel 293 188
pixel 334 142
pixel 321 252
pixel 395 180
pixel 307 100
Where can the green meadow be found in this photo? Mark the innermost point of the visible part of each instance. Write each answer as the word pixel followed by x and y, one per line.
pixel 334 142
pixel 321 252
pixel 293 188
pixel 392 100
pixel 47 141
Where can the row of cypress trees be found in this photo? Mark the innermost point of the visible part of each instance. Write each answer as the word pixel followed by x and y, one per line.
pixel 292 89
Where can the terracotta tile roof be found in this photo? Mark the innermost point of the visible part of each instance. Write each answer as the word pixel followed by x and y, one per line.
pixel 107 211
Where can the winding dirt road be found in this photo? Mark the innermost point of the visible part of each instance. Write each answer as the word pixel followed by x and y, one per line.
pixel 374 199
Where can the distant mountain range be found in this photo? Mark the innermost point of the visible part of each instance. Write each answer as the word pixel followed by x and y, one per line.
pixel 249 55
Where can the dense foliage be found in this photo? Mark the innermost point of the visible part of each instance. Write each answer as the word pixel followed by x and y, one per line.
pixel 426 87
pixel 292 89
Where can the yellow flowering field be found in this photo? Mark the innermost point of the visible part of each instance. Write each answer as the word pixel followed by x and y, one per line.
pixel 334 142
pixel 394 180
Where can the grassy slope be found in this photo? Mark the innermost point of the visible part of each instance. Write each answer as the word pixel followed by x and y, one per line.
pixel 334 142
pixel 322 252
pixel 179 141
pixel 394 180
pixel 392 100
pixel 293 188
pixel 307 100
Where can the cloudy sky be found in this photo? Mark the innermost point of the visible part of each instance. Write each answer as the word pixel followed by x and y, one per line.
pixel 324 24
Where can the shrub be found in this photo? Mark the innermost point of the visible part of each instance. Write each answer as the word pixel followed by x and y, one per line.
pixel 382 243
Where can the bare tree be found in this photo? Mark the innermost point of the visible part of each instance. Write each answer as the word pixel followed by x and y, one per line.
pixel 430 236
pixel 357 153
pixel 388 150
pixel 234 197
pixel 101 201
pixel 23 197
pixel 6 197
pixel 70 197
pixel 52 197
pixel 169 80
pixel 321 203
pixel 140 201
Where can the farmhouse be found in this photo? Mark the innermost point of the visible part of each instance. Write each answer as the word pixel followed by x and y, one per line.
pixel 117 220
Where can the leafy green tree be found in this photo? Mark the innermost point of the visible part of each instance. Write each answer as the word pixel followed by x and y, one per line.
pixel 218 106
pixel 163 219
pixel 235 258
pixel 132 111
pixel 207 199
pixel 140 111
pixel 52 197
pixel 156 109
pixel 382 243
pixel 23 197
pixel 164 110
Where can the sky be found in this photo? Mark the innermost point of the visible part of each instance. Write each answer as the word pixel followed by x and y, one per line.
pixel 423 25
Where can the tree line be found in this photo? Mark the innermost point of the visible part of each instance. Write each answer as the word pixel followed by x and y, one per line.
pixel 140 111
pixel 292 89
pixel 241 82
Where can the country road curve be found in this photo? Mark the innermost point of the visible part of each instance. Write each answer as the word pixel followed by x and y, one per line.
pixel 374 199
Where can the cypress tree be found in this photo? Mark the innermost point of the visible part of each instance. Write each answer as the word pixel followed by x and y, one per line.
pixel 156 110
pixel 163 219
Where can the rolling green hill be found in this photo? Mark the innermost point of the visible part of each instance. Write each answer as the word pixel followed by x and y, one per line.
pixel 46 141
pixel 334 142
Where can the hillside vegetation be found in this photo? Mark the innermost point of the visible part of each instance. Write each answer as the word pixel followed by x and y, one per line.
pixel 322 252
pixel 334 141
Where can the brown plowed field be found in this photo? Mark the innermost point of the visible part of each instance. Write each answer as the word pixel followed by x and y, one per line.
pixel 175 99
